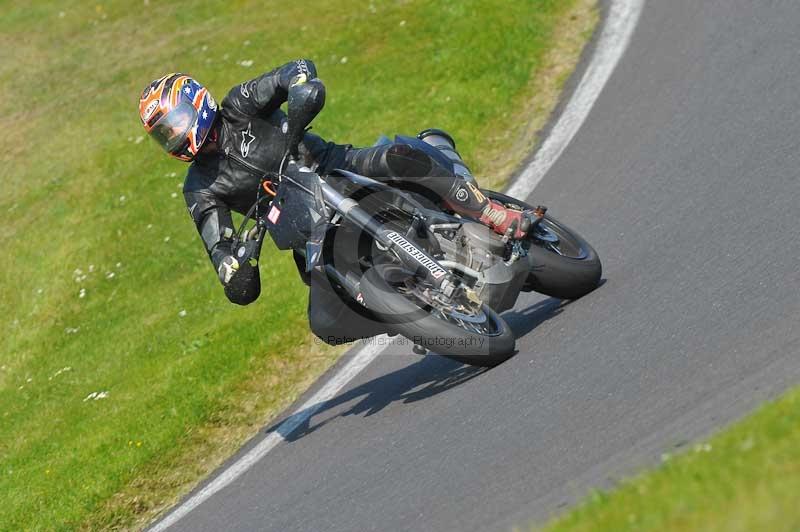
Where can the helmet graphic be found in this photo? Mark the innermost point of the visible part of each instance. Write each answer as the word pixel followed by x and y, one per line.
pixel 178 113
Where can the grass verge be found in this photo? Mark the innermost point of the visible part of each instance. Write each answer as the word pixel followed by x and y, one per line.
pixel 744 479
pixel 125 376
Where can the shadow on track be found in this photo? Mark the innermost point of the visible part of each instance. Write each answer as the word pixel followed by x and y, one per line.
pixel 524 321
pixel 429 376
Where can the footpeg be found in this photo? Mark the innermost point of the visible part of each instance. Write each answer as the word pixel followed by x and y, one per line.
pixel 538 215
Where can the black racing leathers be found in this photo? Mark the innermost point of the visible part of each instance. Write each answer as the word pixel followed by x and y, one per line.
pixel 251 141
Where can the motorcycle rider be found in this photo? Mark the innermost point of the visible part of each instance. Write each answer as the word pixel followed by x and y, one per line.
pixel 232 146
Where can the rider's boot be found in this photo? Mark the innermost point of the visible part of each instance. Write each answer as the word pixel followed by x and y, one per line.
pixel 466 198
pixel 460 193
pixel 506 220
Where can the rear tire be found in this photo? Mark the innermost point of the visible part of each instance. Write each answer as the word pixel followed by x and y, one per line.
pixel 563 277
pixel 405 316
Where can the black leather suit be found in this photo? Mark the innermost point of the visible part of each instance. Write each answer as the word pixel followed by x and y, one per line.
pixel 251 141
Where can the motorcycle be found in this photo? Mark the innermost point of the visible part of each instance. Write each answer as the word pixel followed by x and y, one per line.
pixel 398 259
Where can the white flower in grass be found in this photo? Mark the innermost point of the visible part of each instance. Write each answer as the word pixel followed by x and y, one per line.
pixel 149 226
pixel 122 199
pixel 61 14
pixel 204 48
pixel 119 265
pixel 96 396
pixel 174 194
pixel 139 139
pixel 59 372
pixel 402 23
pixel 166 239
pixel 182 314
pixel 72 330
pixel 110 275
pixel 702 447
pixel 173 174
pixel 247 63
pixel 82 293
pixel 91 268
pixel 40 291
pixel 246 43
pixel 343 60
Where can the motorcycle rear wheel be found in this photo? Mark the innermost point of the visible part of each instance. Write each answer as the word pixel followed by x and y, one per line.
pixel 568 268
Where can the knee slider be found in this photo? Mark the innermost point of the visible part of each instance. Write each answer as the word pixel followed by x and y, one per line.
pixel 245 286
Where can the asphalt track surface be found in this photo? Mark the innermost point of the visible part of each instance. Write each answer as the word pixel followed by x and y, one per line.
pixel 685 178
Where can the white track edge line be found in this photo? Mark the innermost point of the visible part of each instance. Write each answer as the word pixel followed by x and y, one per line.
pixel 611 45
pixel 614 38
pixel 365 355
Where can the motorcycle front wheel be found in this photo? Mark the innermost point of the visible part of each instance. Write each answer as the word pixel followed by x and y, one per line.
pixel 468 332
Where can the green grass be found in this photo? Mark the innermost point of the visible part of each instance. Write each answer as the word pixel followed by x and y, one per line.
pixel 91 207
pixel 747 478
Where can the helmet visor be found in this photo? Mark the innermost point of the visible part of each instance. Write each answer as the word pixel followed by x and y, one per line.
pixel 172 129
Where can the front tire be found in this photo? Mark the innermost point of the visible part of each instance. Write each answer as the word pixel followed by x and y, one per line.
pixel 485 340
